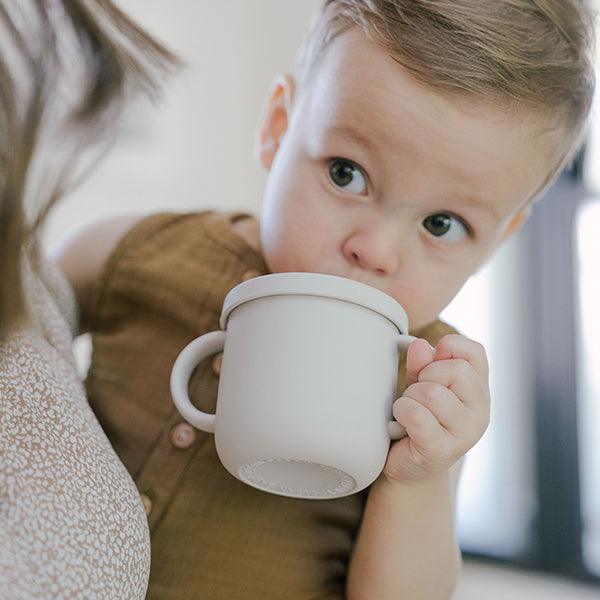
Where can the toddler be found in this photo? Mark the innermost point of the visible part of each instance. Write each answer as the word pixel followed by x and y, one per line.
pixel 413 140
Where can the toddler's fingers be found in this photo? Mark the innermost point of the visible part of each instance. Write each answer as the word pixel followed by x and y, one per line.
pixel 419 354
pixel 458 375
pixel 442 403
pixel 459 346
pixel 420 424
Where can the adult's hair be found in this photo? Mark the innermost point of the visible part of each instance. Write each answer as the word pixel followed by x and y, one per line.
pixel 66 69
pixel 521 55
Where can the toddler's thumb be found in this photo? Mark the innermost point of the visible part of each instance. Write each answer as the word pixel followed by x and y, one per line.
pixel 419 355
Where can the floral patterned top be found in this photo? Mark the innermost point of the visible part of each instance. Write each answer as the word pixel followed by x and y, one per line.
pixel 71 521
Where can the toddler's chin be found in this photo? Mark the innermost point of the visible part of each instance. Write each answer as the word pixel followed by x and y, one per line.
pixel 418 323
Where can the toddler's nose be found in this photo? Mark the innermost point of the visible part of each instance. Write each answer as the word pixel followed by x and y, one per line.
pixel 374 246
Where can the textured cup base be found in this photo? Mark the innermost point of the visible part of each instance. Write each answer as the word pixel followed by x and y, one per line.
pixel 297 478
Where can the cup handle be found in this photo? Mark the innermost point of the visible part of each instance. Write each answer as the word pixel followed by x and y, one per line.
pixel 189 358
pixel 396 430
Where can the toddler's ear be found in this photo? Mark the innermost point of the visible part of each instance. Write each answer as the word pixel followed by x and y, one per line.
pixel 275 119
pixel 517 222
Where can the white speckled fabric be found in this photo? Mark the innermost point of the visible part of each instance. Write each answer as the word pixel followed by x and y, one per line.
pixel 71 521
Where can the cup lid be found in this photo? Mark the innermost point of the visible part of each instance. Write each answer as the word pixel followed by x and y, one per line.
pixel 315 284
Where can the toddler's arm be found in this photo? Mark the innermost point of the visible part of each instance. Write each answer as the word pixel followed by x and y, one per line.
pixel 83 255
pixel 406 547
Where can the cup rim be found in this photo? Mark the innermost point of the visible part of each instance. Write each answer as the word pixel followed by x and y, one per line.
pixel 315 284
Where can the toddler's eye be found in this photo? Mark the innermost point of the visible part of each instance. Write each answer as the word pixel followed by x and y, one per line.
pixel 348 176
pixel 443 225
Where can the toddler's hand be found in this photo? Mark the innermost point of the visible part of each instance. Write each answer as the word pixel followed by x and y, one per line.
pixel 445 407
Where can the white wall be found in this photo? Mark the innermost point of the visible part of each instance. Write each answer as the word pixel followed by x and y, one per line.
pixel 196 149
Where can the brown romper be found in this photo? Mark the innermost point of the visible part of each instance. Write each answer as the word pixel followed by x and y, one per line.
pixel 212 536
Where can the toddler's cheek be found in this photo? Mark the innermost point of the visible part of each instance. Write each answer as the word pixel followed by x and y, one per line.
pixel 280 259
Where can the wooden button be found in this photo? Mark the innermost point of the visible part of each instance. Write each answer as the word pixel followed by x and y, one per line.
pixel 147 503
pixel 216 363
pixel 182 436
pixel 250 274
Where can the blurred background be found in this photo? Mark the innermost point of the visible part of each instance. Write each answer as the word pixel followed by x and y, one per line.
pixel 529 501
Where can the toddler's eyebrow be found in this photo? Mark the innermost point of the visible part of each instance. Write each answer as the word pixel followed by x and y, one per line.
pixel 352 134
pixel 486 207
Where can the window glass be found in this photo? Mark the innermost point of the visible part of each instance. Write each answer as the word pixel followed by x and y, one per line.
pixel 588 246
pixel 496 503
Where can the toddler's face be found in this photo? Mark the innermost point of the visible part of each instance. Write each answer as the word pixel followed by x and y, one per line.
pixel 379 179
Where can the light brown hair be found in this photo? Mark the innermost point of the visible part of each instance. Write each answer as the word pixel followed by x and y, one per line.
pixel 522 55
pixel 41 42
